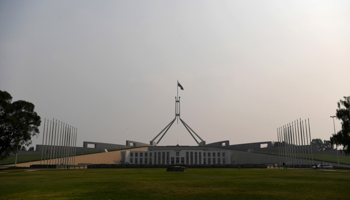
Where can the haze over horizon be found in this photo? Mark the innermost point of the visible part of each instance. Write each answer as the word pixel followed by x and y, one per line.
pixel 110 68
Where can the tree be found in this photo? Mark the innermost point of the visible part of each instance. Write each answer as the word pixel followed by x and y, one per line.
pixel 23 148
pixel 31 149
pixel 318 143
pixel 327 145
pixel 18 123
pixel 322 146
pixel 279 144
pixel 343 136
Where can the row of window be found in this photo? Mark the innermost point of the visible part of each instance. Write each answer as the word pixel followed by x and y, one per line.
pixel 145 154
pixel 141 154
pixel 177 160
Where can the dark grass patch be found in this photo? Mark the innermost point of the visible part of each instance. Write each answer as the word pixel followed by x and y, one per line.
pixel 159 184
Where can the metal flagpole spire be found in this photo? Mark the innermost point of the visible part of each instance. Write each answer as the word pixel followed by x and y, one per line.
pixel 177 117
pixel 177 102
pixel 177 87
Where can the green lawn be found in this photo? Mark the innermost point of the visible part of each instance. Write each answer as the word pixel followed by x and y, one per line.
pixel 20 159
pixel 158 184
pixel 319 157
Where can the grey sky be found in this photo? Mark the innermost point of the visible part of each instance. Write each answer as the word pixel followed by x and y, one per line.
pixel 110 68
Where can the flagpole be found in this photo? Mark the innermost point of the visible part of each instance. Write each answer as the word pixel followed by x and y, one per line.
pixel 177 87
pixel 177 98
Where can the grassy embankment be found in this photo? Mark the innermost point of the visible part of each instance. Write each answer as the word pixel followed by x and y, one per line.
pixel 158 184
pixel 35 157
pixel 319 157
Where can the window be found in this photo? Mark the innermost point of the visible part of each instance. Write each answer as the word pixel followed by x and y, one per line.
pixel 208 154
pixel 150 154
pixel 204 154
pixel 177 153
pixel 140 154
pixel 219 161
pixel 218 154
pixel 136 154
pixel 131 160
pixel 145 154
pixel 214 161
pixel 213 154
pixel 131 154
pixel 168 158
pixel 223 154
pixel 264 145
pixel 140 160
pixel 223 161
pixel 195 158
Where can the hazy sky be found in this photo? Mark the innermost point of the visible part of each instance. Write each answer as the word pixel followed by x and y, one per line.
pixel 110 68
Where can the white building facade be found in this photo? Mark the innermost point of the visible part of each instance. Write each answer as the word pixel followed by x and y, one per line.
pixel 178 155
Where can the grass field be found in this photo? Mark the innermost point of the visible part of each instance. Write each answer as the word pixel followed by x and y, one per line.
pixel 158 184
pixel 319 157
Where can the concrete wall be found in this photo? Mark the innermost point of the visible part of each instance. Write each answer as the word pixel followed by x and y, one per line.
pixel 99 145
pixel 224 143
pixel 255 145
pixel 130 143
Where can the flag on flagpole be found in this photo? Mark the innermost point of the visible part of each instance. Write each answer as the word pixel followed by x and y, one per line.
pixel 178 84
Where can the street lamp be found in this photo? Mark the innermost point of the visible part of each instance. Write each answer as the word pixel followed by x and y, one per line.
pixel 334 134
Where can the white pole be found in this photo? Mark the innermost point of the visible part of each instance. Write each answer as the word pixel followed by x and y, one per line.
pixel 65 145
pixel 278 143
pixel 50 141
pixel 52 131
pixel 302 140
pixel 76 141
pixel 42 144
pixel 312 156
pixel 296 142
pixel 54 145
pixel 307 142
pixel 60 145
pixel 45 147
pixel 334 134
